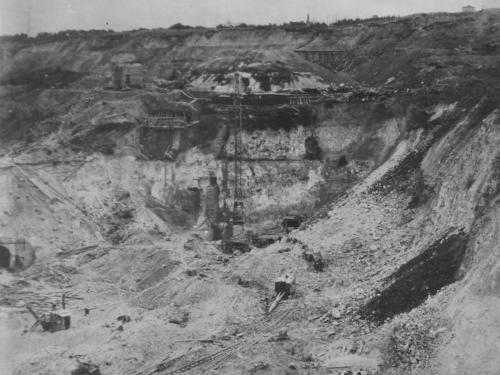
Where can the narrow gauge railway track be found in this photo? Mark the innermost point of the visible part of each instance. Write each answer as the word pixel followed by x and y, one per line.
pixel 212 361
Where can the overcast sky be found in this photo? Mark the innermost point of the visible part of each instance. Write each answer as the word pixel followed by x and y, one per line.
pixel 34 16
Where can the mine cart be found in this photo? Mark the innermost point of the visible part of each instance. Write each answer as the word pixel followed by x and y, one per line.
pixel 285 285
pixel 59 320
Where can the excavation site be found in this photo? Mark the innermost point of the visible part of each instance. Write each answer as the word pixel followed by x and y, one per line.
pixel 290 199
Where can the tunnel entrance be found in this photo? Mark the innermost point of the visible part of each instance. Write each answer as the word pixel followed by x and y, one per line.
pixel 4 257
pixel 421 277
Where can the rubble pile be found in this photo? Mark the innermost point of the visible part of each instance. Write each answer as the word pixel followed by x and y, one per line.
pixel 116 221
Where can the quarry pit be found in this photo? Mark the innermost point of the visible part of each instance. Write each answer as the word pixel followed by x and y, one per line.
pixel 157 186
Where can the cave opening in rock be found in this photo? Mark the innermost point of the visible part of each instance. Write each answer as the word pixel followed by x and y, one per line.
pixel 313 151
pixel 342 161
pixel 424 275
pixel 4 257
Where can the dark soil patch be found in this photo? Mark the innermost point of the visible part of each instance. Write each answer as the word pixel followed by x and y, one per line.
pixel 285 118
pixel 100 139
pixel 4 257
pixel 424 275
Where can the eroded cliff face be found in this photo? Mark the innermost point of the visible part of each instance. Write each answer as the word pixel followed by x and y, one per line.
pixel 467 197
pixel 395 165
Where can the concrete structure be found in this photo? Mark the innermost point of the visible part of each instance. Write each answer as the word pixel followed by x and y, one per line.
pixel 212 200
pixel 327 58
pixel 6 258
pixel 129 75
pixel 468 9
pixel 15 253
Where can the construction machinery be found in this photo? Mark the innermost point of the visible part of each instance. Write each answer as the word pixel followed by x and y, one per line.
pixel 290 222
pixel 269 236
pixel 53 321
pixel 315 259
pixel 234 237
pixel 284 287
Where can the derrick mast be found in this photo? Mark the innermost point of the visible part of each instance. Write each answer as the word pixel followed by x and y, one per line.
pixel 238 214
pixel 235 237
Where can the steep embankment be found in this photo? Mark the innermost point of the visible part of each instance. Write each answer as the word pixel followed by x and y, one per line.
pixel 406 252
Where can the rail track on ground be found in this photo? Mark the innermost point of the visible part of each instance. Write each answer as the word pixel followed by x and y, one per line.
pixel 212 361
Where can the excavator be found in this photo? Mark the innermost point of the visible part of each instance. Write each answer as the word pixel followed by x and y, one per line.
pixel 53 321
